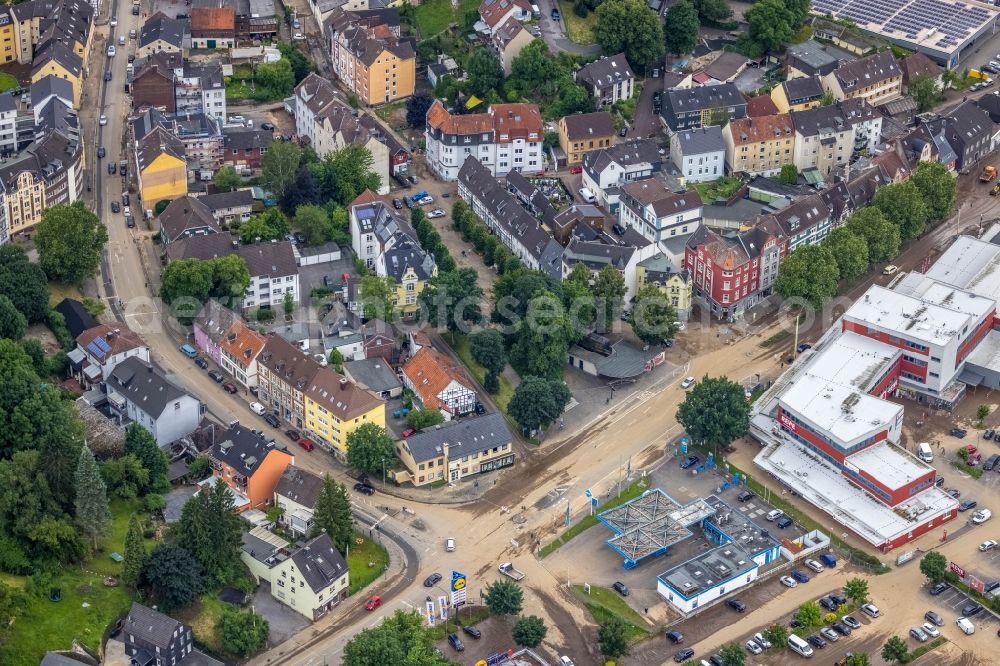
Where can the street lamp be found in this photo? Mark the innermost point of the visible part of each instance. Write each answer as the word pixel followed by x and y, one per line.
pixel 383 474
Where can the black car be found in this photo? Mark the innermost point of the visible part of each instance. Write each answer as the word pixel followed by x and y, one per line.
pixel 100 152
pixel 472 631
pixel 939 481
pixel 828 603
pixel 838 599
pixel 690 461
pixel 736 605
pixel 456 642
pixel 938 589
pixel 267 126
pixel 480 408
pixel 432 580
pixel 841 628
pixel 272 420
pixel 716 659
pixel 200 362
pixel 745 496
pixel 623 131
pixel 131 57
pixel 115 207
pixel 413 179
pixel 397 204
pixel 125 198
pixel 299 237
pixel 967 504
pixel 621 588
pixel 112 168
pixel 971 610
pixel 107 75
pixel 991 462
pixel 675 637
pixel 292 435
pixel 988 435
pixel 129 221
pixel 216 376
pixel 365 489
pixel 816 641
pixel 783 522
pixel 954 493
pixel 686 653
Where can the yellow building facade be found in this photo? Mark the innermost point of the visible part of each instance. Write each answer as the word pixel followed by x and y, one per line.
pixel 161 168
pixel 335 407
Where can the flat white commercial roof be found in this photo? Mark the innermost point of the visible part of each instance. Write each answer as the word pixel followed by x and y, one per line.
pixel 852 360
pixel 844 412
pixel 910 317
pixel 821 484
pixel 987 353
pixel 892 466
pixel 928 290
pixel 970 263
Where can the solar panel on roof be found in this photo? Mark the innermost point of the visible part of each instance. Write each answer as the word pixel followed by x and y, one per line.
pixel 95 349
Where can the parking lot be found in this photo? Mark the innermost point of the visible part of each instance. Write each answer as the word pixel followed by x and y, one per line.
pixel 950 604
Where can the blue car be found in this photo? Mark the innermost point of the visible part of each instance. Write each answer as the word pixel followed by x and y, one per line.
pixel 690 461
pixel 800 576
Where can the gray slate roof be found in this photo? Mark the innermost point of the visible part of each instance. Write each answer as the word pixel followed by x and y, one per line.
pixel 273 259
pixel 319 563
pixel 700 141
pixel 705 97
pixel 624 154
pixel 144 386
pixel 605 72
pixel 299 486
pixel 242 449
pixel 813 54
pixel 150 625
pixel 162 27
pixel 867 71
pixel 240 138
pixel 408 254
pixel 463 437
pixel 803 88
pixel 223 200
pixel 187 216
pixel 373 373
pixel 837 117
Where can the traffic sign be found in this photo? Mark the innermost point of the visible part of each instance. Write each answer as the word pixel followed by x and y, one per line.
pixel 957 569
pixel 588 493
pixel 457 581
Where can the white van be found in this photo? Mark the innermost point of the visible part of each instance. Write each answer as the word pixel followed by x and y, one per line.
pixel 121 40
pixel 800 646
pixel 966 626
pixel 924 452
pixel 774 515
pixel 449 545
pixel 257 408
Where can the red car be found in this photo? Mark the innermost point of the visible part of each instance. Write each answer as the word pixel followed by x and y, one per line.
pixel 575 170
pixel 306 444
pixel 229 387
pixel 409 431
pixel 373 603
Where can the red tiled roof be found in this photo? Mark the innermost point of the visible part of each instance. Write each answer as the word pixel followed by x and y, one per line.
pixel 430 372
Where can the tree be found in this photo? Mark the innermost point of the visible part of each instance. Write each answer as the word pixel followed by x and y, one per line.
pixel 632 28
pixel 881 236
pixel 903 205
pixel 141 443
pixel 369 448
pixel 715 412
pixel 301 66
pixel 809 614
pixel 421 419
pixel 856 589
pixel 24 283
pixel 732 655
pixel 211 530
pixel 377 296
pixel 777 635
pixel 538 401
pixel 849 251
pixel 269 225
pixel 314 223
pixel 652 317
pixel 578 297
pixel 276 77
pixel 186 284
pixel 333 514
pixel 125 476
pixel 243 632
pixel 280 166
pixel 173 576
pixel 304 191
pixel 925 91
pixel 857 659
pixel 226 179
pixel 934 566
pixel 92 512
pixel 529 631
pixel 13 324
pixel 400 639
pixel 543 340
pixel 484 72
pixel 69 240
pixel 810 272
pixel 771 24
pixel 504 597
pixel 488 350
pixel 714 12
pixel 416 109
pixel 789 175
pixel 681 28
pixel 346 173
pixel 453 300
pixel 160 207
pixel 938 189
pixel 135 553
pixel 609 289
pixel 611 638
pixel 895 650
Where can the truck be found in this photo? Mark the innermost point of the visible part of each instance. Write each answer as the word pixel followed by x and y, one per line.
pixel 507 569
pixel 988 174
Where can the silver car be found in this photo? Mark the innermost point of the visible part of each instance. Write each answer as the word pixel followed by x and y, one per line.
pixel 919 634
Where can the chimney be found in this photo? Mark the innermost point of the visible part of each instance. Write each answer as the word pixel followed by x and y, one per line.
pixel 343 383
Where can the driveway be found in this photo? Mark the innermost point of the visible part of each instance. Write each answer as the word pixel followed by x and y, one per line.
pixel 554 33
pixel 282 621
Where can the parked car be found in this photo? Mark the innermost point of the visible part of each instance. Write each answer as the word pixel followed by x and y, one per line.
pixel 472 631
pixel 816 641
pixel 307 445
pixel 934 618
pixel 851 622
pixel 783 522
pixel 397 204
pixel 230 387
pixel 373 603
pixel 686 653
pixel 675 637
pixel 115 208
pixel 688 382
pixel 871 610
pixel 292 435
pixel 954 493
pixel 736 605
pixel 938 589
pixel 890 270
pixel 919 634
pixel 200 362
pixel 257 408
pixel 930 630
pixel 621 588
pixel 814 565
pixel 965 505
pixel 803 347
pixel 800 576
pixel 437 212
pixel 216 376
pixel 841 628
pixel 972 609
pixel 761 641
pixel 958 432
pixel 456 642
pixel 409 431
pixel 690 461
pixel 365 489
pixel 838 599
pixel 829 634
pixel 991 462
pixel 432 580
pixel 828 603
pixel 981 516
pixel 272 420
pixel 745 496
pixel 788 581
pixel 753 648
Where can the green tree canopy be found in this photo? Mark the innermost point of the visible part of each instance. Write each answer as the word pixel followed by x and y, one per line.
pixel 938 189
pixel 880 235
pixel 93 515
pixel 400 639
pixel 346 173
pixel 242 631
pixel 777 635
pixel 612 638
pixel 681 28
pixel 141 443
pixel 303 191
pixel 173 576
pixel 377 296
pixel 789 174
pixel 135 553
pixel 715 412
pixel 314 222
pixel 857 659
pixel 538 401
pixel 186 284
pixel 277 77
pixel 856 589
pixel 453 300
pixel 541 348
pixel 422 419
pixel 809 614
pixel 416 109
pixel 24 283
pixel 609 290
pixel 714 12
pixel 632 28
pixel 810 272
pixel 13 324
pixel 269 225
pixel 895 650
pixel 211 531
pixel 529 631
pixel 370 449
pixel 850 252
pixel 504 597
pixel 772 24
pixel 69 240
pixel 484 72
pixel 333 514
pixel 652 316
pixel 925 92
pixel 280 166
pixel 226 179
pixel 934 566
pixel 732 655
pixel 903 205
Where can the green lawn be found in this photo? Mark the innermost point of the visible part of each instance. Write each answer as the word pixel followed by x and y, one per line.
pixel 579 30
pixel 47 625
pixel 365 562
pixel 202 616
pixel 460 343
pixel 7 82
pixel 467 617
pixel 637 488
pixel 434 16
pixel 59 291
pixel 604 603
pixel 723 188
